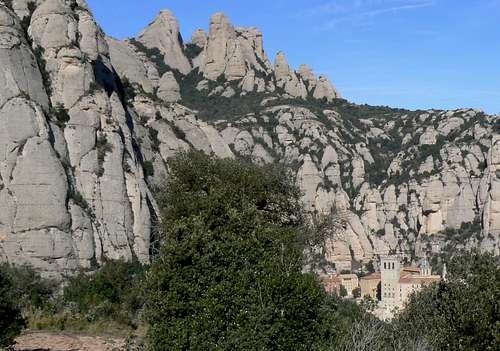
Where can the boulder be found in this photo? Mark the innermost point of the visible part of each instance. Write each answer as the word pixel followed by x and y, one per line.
pixel 128 64
pixel 307 75
pixel 287 79
pixel 199 38
pixel 169 90
pixel 230 51
pixel 325 90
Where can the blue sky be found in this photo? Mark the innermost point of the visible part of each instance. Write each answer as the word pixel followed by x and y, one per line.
pixel 400 53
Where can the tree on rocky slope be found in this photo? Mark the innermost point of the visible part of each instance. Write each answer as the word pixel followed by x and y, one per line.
pixel 11 321
pixel 229 275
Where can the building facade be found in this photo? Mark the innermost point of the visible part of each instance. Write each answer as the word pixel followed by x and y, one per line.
pixel 390 268
pixel 370 285
pixel 331 283
pixel 349 282
pixel 398 283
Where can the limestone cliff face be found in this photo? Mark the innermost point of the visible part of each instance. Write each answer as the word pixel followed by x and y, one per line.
pixel 87 123
pixel 237 54
pixel 230 51
pixel 73 190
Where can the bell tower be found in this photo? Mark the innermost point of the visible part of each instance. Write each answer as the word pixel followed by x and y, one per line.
pixel 425 268
pixel 390 267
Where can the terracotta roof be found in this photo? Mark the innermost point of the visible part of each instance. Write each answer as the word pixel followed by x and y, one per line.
pixel 420 280
pixel 372 276
pixel 331 278
pixel 411 269
pixel 404 274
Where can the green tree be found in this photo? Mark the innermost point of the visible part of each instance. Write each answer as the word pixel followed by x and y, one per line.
pixel 461 313
pixel 229 274
pixel 11 321
pixel 339 316
pixel 356 292
pixel 369 267
pixel 343 291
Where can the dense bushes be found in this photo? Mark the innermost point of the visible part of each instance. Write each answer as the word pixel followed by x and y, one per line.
pixel 216 107
pixel 109 300
pixel 192 51
pixel 30 289
pixel 61 115
pixel 11 321
pixel 461 313
pixel 128 90
pixel 154 54
pixel 113 295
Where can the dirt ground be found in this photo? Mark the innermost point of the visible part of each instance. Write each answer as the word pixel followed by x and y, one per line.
pixel 54 341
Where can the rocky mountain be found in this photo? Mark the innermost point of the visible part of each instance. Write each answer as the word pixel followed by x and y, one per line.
pixel 87 123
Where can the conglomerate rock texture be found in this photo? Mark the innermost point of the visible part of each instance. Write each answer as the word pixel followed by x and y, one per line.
pixel 87 123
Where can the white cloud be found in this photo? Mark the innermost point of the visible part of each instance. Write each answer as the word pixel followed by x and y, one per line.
pixel 359 11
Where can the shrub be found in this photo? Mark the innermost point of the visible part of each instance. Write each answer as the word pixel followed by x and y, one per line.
pixel 112 293
pixel 93 88
pixel 446 314
pixel 221 79
pixel 496 126
pixel 75 7
pixel 42 65
pixel 80 200
pixel 11 321
pixel 179 133
pixel 155 143
pixel 110 298
pixel 338 318
pixel 149 169
pixel 369 267
pixel 128 90
pixel 103 147
pixel 155 56
pixel 61 115
pixel 192 51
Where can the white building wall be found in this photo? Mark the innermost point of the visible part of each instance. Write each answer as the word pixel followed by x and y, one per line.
pixel 390 267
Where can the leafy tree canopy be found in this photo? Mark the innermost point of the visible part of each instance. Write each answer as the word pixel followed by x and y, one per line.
pixel 229 275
